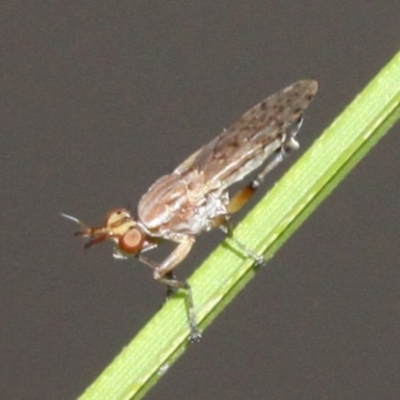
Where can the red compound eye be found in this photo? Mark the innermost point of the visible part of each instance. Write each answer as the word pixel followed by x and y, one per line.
pixel 131 241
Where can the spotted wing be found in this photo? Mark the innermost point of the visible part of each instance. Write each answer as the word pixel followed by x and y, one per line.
pixel 243 146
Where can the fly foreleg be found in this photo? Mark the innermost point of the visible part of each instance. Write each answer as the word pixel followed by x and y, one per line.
pixel 163 273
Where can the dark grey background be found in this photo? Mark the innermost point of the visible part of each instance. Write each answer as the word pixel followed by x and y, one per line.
pixel 101 98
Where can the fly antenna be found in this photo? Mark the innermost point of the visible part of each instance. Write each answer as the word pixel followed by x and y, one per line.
pixel 76 220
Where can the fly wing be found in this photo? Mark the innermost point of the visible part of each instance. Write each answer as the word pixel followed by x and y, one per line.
pixel 244 145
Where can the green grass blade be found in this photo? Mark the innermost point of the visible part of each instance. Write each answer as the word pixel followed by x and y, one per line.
pixel 265 229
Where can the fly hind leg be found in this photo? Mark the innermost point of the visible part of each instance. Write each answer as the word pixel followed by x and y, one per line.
pixel 288 143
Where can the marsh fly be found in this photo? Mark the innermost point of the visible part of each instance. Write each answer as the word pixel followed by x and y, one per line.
pixel 194 198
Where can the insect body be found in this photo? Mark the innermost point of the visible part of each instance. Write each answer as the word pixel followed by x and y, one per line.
pixel 194 197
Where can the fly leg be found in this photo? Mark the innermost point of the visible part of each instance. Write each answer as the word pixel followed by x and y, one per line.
pixel 288 143
pixel 170 290
pixel 227 228
pixel 245 194
pixel 163 273
pixel 170 275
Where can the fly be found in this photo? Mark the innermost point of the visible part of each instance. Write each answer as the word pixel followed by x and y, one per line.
pixel 194 198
